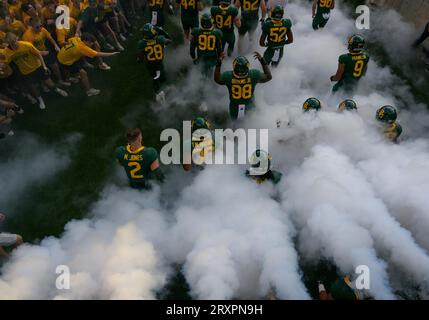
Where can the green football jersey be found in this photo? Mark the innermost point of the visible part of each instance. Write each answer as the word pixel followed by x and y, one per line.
pixel 224 17
pixel 153 49
pixel 188 7
pixel 275 31
pixel 207 42
pixel 241 89
pixel 272 175
pixel 250 9
pixel 393 131
pixel 355 65
pixel 136 163
pixel 324 6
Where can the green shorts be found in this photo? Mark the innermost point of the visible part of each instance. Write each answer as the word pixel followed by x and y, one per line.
pixel 206 65
pixel 189 21
pixel 248 24
pixel 228 38
pixel 269 55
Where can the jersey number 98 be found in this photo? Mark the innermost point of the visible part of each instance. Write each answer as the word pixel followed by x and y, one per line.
pixel 241 92
pixel 206 42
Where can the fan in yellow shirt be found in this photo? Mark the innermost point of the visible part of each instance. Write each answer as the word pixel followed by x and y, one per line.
pixel 71 54
pixel 38 35
pixel 10 24
pixel 31 65
pixel 64 34
pixel 74 7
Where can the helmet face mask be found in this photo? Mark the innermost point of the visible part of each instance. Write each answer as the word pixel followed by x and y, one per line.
pixel 241 66
pixel 277 13
pixel 206 22
pixel 312 104
pixel 356 43
pixel 149 32
pixel 348 104
pixel 260 163
pixel 386 114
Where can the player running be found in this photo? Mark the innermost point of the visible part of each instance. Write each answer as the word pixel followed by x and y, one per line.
pixel 352 66
pixel 206 45
pixel 348 105
pixel 260 170
pixel 321 11
pixel 189 15
pixel 151 49
pixel 140 163
pixel 225 17
pixel 241 83
pixel 387 116
pixel 250 17
pixel 276 33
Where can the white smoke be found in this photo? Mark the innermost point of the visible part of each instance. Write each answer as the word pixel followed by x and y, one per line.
pixel 347 195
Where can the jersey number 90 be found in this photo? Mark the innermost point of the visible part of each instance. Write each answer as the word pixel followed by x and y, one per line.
pixel 206 42
pixel 325 3
pixel 241 92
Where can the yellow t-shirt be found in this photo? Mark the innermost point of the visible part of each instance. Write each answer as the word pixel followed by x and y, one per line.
pixel 74 50
pixel 25 57
pixel 38 39
pixel 47 14
pixel 15 10
pixel 64 34
pixel 73 10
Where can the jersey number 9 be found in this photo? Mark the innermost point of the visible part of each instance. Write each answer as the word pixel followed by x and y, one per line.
pixel 241 92
pixel 154 52
pixel 358 68
pixel 206 42
pixel 278 34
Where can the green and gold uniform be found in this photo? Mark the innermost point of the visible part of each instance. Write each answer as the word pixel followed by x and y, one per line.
pixel 153 53
pixel 137 164
pixel 224 20
pixel 323 14
pixel 249 16
pixel 392 131
pixel 355 67
pixel 156 9
pixel 342 289
pixel 189 14
pixel 208 44
pixel 275 32
pixel 241 90
pixel 272 175
pixel 201 147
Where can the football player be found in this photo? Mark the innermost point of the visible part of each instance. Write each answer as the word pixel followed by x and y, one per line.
pixel 206 44
pixel 311 104
pixel 276 33
pixel 321 10
pixel 140 163
pixel 341 289
pixel 387 116
pixel 260 168
pixel 151 49
pixel 189 15
pixel 201 146
pixel 352 66
pixel 225 17
pixel 250 17
pixel 348 105
pixel 156 8
pixel 241 83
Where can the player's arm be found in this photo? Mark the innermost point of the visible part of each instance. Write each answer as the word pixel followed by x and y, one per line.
pixel 262 39
pixel 192 47
pixel 289 34
pixel 156 170
pixel 267 72
pixel 340 72
pixel 313 8
pixel 263 7
pixel 217 75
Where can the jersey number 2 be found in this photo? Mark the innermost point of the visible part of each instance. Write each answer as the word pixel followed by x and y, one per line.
pixel 137 168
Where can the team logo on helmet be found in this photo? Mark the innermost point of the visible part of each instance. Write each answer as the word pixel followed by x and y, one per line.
pixel 312 104
pixel 386 114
